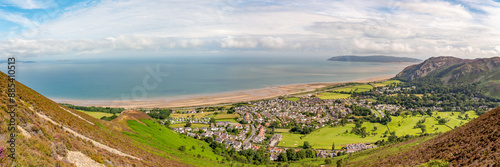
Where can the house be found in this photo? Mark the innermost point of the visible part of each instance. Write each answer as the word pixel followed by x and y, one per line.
pixel 188 129
pixel 247 145
pixel 219 140
pixel 273 157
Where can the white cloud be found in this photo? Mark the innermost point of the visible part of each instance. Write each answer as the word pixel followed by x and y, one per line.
pixel 30 4
pixel 272 42
pixel 497 48
pixel 241 43
pixel 442 9
pixel 417 28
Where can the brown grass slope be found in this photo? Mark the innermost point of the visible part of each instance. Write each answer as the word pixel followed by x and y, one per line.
pixel 476 143
pixel 47 143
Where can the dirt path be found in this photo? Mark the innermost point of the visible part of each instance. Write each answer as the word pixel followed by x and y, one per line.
pixel 77 115
pixel 97 144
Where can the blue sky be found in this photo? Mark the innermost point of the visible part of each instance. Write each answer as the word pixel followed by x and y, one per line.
pixel 117 28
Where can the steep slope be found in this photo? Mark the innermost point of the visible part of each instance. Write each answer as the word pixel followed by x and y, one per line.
pixel 476 143
pixel 430 65
pixel 49 135
pixel 484 72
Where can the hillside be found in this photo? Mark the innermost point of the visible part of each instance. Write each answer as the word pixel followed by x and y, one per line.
pixel 374 58
pixel 49 134
pixel 475 143
pixel 484 72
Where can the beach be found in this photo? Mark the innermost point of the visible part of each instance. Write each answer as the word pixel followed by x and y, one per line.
pixel 214 99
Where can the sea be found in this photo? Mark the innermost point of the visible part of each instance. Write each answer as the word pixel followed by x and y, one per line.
pixel 171 76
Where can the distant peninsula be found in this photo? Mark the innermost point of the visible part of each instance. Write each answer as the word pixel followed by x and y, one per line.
pixel 374 58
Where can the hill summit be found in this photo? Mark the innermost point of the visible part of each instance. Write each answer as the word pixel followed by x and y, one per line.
pixel 485 72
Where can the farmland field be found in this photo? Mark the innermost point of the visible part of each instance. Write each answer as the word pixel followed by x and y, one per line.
pixel 97 115
pixel 232 120
pixel 192 125
pixel 331 95
pixel 385 83
pixel 196 115
pixel 356 88
pixel 281 130
pixel 292 99
pixel 226 116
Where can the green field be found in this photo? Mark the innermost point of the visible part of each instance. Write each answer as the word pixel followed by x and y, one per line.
pixel 322 138
pixel 168 142
pixel 97 115
pixel 220 120
pixel 292 99
pixel 281 130
pixel 331 95
pixel 356 88
pixel 385 83
pixel 192 125
pixel 196 115
pixel 226 116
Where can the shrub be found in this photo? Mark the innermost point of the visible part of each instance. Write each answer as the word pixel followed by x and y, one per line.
pixel 182 148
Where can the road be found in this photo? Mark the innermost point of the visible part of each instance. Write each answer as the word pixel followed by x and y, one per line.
pixel 252 134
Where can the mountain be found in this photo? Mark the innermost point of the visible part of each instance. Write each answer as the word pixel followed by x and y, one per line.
pixel 48 134
pixel 485 72
pixel 475 143
pixel 374 58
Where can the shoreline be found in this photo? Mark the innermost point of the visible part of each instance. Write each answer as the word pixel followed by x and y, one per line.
pixel 214 98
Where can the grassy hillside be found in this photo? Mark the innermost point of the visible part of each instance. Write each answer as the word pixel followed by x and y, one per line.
pixel 48 144
pixel 197 152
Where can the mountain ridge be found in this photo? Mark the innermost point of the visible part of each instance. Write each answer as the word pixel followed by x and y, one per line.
pixel 373 58
pixel 485 72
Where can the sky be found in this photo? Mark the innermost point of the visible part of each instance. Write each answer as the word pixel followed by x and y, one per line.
pixel 52 29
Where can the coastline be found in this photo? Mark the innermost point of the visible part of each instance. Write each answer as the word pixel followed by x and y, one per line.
pixel 216 98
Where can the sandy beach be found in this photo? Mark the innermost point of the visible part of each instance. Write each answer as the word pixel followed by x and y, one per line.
pixel 213 99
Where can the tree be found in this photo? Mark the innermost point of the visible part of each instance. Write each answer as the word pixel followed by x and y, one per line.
pixel 301 154
pixel 188 124
pixel 333 146
pixel 306 145
pixel 282 157
pixel 328 161
pixel 429 112
pixel 339 163
pixel 442 121
pixel 290 154
pixel 423 129
pixel 310 154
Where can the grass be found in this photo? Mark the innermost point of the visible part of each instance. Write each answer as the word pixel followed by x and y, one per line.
pixel 332 95
pixel 292 99
pixel 281 130
pixel 196 115
pixel 367 157
pixel 220 120
pixel 385 83
pixel 97 115
pixel 356 88
pixel 324 137
pixel 226 116
pixel 168 143
pixel 192 125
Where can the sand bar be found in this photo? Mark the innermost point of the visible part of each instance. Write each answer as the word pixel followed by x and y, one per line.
pixel 213 99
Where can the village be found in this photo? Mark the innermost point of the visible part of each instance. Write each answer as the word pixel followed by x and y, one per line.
pixel 255 126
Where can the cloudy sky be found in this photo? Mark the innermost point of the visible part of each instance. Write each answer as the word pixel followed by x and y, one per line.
pixel 94 29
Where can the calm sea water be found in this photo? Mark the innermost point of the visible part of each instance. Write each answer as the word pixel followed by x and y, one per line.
pixel 112 79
